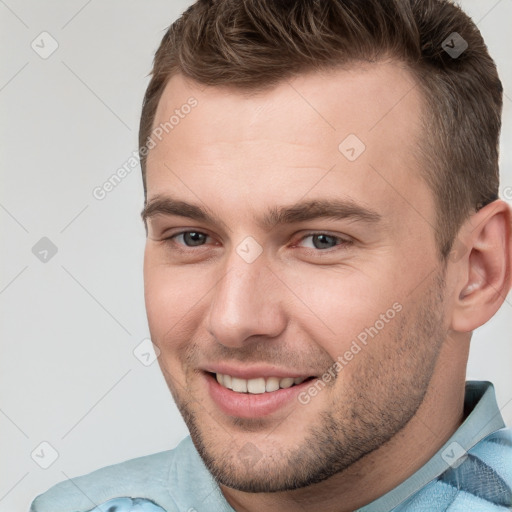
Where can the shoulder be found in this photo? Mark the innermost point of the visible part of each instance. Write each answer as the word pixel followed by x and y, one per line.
pixel 493 455
pixel 485 475
pixel 144 477
pixel 480 479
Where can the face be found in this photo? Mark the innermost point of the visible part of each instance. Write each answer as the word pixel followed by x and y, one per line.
pixel 292 281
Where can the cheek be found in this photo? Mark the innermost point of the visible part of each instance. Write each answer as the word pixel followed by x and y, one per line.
pixel 174 300
pixel 348 309
pixel 172 309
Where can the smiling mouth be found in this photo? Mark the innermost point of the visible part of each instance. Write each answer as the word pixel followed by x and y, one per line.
pixel 257 385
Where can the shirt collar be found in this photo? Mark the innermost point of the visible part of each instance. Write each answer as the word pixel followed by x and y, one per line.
pixel 484 419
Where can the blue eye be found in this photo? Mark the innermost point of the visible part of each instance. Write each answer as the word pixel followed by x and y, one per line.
pixel 322 241
pixel 128 505
pixel 191 238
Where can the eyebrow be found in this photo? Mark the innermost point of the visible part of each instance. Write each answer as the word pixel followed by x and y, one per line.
pixel 336 209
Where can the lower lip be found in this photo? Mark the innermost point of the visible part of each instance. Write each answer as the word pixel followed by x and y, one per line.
pixel 248 405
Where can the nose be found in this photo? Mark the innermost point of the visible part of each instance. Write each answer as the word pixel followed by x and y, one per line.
pixel 245 304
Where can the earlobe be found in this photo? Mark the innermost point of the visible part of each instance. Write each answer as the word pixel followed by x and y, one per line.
pixel 485 269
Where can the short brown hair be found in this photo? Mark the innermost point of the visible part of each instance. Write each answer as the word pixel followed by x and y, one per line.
pixel 254 44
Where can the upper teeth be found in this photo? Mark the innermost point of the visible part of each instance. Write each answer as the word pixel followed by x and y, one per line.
pixel 258 385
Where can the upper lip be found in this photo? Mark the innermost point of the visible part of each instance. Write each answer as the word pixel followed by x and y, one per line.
pixel 253 372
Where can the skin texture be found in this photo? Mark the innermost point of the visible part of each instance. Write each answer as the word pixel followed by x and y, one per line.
pixel 299 307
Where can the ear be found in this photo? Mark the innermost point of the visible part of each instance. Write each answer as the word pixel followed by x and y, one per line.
pixel 484 269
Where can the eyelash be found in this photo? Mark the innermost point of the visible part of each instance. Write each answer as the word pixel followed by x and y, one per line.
pixel 342 242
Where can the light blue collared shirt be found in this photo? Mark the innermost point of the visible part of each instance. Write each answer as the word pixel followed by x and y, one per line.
pixel 472 471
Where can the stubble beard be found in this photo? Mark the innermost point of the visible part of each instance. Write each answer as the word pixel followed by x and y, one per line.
pixel 377 401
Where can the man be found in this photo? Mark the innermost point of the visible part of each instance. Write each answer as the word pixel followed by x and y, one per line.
pixel 324 233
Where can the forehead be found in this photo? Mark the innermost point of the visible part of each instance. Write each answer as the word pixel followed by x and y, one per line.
pixel 357 99
pixel 352 130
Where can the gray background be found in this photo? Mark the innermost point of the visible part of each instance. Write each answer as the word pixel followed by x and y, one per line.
pixel 70 324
